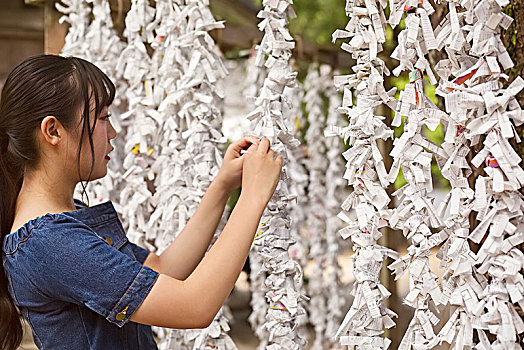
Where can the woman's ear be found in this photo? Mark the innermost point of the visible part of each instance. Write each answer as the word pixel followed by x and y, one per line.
pixel 51 130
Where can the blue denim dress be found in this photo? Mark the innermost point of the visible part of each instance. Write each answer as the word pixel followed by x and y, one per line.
pixel 77 280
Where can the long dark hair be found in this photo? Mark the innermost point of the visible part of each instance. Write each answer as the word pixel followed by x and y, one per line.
pixel 38 87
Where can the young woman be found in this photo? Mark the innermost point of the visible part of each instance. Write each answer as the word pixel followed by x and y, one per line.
pixel 70 270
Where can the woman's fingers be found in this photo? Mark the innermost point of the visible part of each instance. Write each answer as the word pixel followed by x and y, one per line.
pixel 253 147
pixel 252 139
pixel 239 147
pixel 253 143
pixel 263 147
pixel 246 141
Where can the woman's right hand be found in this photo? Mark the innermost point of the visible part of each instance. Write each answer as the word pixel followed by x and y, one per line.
pixel 261 171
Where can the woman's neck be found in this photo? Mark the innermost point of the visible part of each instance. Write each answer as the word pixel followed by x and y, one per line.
pixel 43 192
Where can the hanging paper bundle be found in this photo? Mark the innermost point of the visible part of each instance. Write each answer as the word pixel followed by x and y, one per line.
pixel 481 111
pixel 135 67
pixel 335 193
pixel 284 276
pixel 462 283
pixel 191 145
pixel 77 13
pixel 413 153
pixel 365 210
pixel 316 164
pixel 297 171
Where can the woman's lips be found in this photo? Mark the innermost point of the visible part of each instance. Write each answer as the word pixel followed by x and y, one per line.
pixel 107 155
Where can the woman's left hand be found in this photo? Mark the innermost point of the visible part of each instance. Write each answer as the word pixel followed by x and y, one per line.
pixel 230 173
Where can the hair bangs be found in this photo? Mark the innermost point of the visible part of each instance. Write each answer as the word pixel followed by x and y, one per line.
pixel 97 84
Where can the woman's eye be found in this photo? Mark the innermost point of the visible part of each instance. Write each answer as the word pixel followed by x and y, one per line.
pixel 106 117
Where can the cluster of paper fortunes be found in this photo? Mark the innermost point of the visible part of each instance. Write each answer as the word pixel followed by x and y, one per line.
pixel 297 172
pixel 316 224
pixel 413 153
pixel 336 192
pixel 326 302
pixel 481 288
pixel 283 275
pixel 297 209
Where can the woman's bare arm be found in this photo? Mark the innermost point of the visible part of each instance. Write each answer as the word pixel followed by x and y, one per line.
pixel 199 297
pixel 194 302
pixel 187 250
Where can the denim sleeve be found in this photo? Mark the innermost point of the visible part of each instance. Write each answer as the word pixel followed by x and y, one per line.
pixel 72 263
pixel 139 252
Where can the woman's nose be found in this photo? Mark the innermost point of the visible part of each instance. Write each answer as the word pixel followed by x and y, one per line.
pixel 111 132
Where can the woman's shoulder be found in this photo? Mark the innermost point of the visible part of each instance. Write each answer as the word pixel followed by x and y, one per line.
pixel 60 228
pixel 48 227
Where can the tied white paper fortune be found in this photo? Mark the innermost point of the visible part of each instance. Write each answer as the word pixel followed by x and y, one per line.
pixel 484 287
pixel 365 210
pixel 413 153
pixel 284 275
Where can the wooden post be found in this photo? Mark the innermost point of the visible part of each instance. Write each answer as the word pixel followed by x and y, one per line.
pixel 54 32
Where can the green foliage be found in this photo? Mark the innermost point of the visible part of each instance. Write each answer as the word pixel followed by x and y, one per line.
pixel 317 19
pixel 399 181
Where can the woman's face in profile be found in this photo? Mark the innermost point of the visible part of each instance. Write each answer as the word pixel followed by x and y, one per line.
pixel 103 133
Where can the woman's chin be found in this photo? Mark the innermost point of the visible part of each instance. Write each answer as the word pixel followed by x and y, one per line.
pixel 96 175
